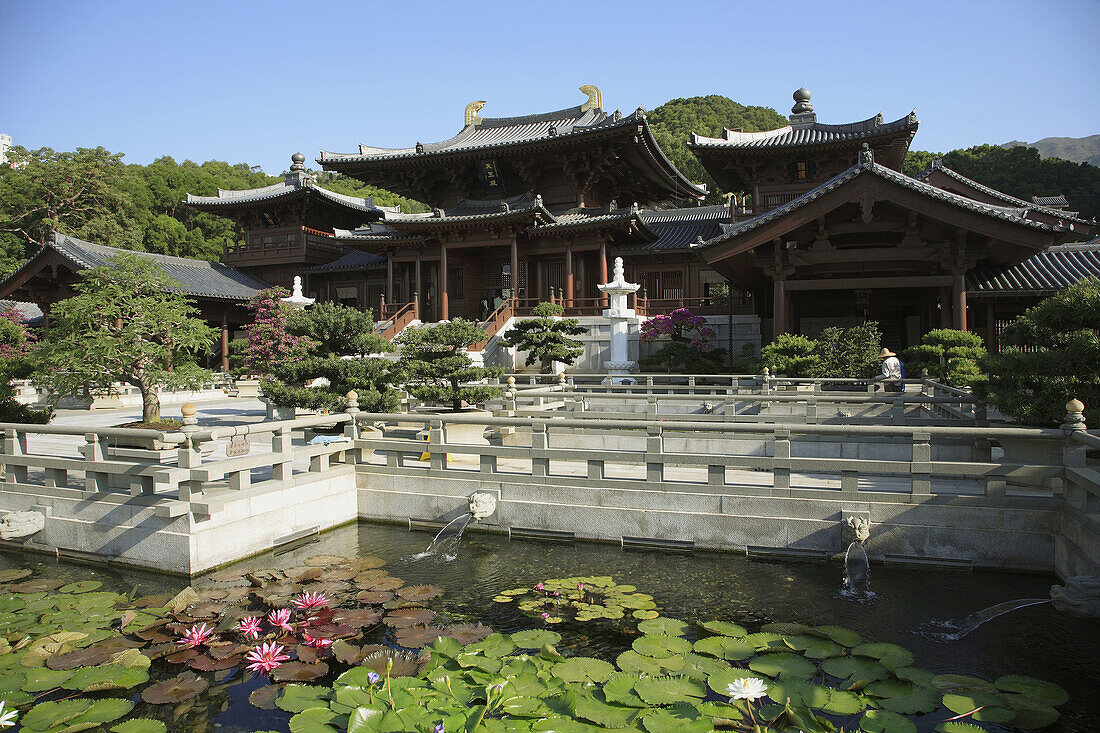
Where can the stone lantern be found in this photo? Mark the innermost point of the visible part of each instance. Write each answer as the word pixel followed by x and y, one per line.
pixel 621 317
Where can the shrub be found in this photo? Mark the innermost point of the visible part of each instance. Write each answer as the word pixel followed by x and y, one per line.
pixel 790 355
pixel 434 366
pixel 269 344
pixel 950 356
pixel 687 349
pixel 546 338
pixel 1062 363
pixel 848 353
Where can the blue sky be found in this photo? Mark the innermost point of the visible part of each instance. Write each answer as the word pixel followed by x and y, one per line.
pixel 256 81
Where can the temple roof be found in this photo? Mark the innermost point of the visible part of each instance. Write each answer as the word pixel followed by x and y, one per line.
pixel 806 134
pixel 355 259
pixel 1045 273
pixel 1052 201
pixel 867 166
pixel 295 184
pixel 525 208
pixel 560 131
pixel 929 174
pixel 682 229
pixel 197 278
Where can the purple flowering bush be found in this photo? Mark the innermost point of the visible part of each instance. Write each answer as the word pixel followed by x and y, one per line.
pixel 269 344
pixel 688 348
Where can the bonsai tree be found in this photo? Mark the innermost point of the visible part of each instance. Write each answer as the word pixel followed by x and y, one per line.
pixel 950 356
pixel 545 337
pixel 791 355
pixel 128 323
pixel 687 348
pixel 18 348
pixel 1049 355
pixel 849 353
pixel 434 365
pixel 268 342
pixel 342 339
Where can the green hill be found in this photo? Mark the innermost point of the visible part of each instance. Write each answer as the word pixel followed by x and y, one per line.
pixel 1076 149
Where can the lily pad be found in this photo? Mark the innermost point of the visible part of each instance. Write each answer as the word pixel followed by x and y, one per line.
pixel 952 682
pixel 42 679
pixel 783 665
pixel 82 586
pixel 299 672
pixel 957 726
pixel 620 689
pixel 891 656
pixel 669 690
pixel 103 710
pixel 584 669
pixel 839 634
pixel 1045 692
pixel 662 625
pixel 296 698
pixel 54 713
pixel 681 718
pixel 419 593
pixel 885 721
pixel 633 662
pixel 725 647
pixel 535 638
pixel 404 617
pixel 981 706
pixel 725 628
pixel 468 633
pixel 855 669
pixel 175 689
pixel 12 574
pixel 417 637
pixel 88 657
pixel 264 697
pixel 904 697
pixel 660 645
pixel 140 725
pixel 601 713
pixel 319 561
pixel 106 677
pixel 842 702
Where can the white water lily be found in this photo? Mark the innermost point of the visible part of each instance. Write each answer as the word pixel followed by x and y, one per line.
pixel 7 717
pixel 747 688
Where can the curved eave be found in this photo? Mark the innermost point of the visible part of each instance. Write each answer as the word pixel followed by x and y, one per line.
pixel 842 134
pixel 218 204
pixel 631 224
pixel 522 218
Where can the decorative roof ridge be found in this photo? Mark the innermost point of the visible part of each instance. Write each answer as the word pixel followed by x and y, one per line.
pixel 937 164
pixel 575 113
pixel 869 127
pixel 275 190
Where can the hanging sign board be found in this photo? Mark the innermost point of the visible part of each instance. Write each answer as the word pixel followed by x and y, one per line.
pixel 237 446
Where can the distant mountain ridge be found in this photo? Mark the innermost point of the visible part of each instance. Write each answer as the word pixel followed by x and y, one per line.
pixel 1077 149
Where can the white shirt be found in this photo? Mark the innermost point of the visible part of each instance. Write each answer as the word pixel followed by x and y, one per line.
pixel 891 368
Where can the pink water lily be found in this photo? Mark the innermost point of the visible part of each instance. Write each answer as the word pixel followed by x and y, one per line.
pixel 280 619
pixel 316 642
pixel 196 635
pixel 310 601
pixel 250 627
pixel 539 586
pixel 266 657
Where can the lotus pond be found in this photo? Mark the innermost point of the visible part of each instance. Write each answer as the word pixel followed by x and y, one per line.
pixel 353 633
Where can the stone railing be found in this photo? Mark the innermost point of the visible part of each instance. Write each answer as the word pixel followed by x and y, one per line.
pixel 681 454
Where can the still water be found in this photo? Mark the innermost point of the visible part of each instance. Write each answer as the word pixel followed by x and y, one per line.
pixel 1035 641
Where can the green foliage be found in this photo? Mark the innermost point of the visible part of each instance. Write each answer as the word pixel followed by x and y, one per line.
pixel 337 329
pixel 17 353
pixel 1019 172
pixel 746 361
pixel 126 324
pixel 434 366
pixel 848 352
pixel 306 398
pixel 675 120
pixel 546 337
pixel 790 355
pixel 1062 360
pixel 950 356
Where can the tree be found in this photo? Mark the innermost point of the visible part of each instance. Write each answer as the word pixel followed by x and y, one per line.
pixel 687 349
pixel 848 353
pixel 343 339
pixel 950 356
pixel 127 323
pixel 1049 355
pixel 790 355
pixel 18 348
pixel 435 367
pixel 545 337
pixel 268 343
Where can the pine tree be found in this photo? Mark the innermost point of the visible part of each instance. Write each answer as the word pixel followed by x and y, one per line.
pixel 546 337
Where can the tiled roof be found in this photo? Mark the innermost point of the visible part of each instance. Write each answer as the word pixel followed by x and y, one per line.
pixel 355 259
pixel 197 278
pixel 1012 214
pixel 1047 272
pixel 999 195
pixel 469 211
pixel 1058 200
pixel 812 133
pixel 30 311
pixel 295 184
pixel 681 229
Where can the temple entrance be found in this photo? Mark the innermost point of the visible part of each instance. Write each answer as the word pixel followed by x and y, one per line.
pixel 903 314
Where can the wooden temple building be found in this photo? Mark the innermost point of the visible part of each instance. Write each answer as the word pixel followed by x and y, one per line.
pixel 823 227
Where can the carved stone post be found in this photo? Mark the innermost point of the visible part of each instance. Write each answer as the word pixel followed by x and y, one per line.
pixel 188 454
pixel 1073 453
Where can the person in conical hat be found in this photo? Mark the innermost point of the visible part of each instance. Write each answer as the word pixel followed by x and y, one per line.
pixel 892 370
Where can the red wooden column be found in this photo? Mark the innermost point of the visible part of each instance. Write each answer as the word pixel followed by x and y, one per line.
pixel 569 275
pixel 225 344
pixel 779 307
pixel 515 271
pixel 958 301
pixel 389 278
pixel 419 289
pixel 444 310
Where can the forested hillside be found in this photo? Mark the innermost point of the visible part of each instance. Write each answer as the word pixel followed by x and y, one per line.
pixel 1020 172
pixel 92 194
pixel 674 121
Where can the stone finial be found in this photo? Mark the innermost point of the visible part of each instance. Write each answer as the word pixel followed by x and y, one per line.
pixel 802 102
pixel 419 147
pixel 1075 416
pixel 297 300
pixel 297 162
pixel 353 398
pixel 188 410
pixel 767 372
pixel 561 378
pixel 866 155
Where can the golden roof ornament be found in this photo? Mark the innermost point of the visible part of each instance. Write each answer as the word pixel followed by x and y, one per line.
pixel 595 98
pixel 472 116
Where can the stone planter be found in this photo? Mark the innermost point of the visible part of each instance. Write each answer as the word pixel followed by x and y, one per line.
pixel 248 388
pixel 280 412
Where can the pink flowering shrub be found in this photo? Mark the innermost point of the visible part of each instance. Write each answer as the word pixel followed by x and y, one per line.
pixel 269 344
pixel 688 348
pixel 16 338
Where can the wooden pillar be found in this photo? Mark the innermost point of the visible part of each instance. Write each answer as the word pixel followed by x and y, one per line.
pixel 536 291
pixel 958 301
pixel 515 271
pixel 389 278
pixel 779 307
pixel 569 275
pixel 419 288
pixel 603 271
pixel 406 290
pixel 991 328
pixel 225 344
pixel 444 310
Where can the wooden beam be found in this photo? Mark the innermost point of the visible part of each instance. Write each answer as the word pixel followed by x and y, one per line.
pixel 870 283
